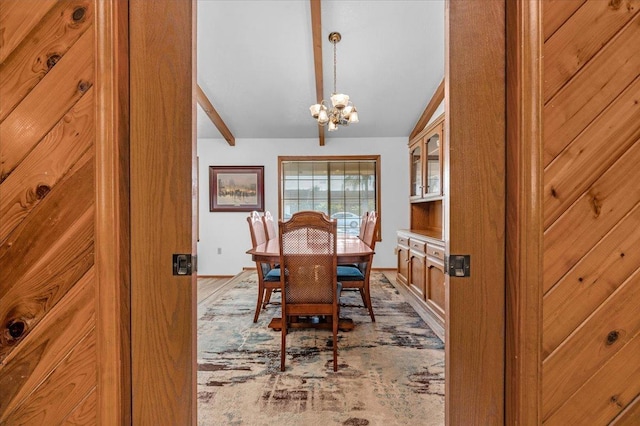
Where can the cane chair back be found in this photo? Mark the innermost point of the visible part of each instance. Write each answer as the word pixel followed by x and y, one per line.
pixel 308 258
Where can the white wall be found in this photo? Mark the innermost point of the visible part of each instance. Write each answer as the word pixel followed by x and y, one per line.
pixel 230 232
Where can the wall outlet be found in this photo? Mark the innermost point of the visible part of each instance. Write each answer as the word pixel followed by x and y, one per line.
pixel 219 250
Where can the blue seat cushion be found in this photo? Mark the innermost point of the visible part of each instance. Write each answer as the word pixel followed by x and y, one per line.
pixel 273 275
pixel 349 273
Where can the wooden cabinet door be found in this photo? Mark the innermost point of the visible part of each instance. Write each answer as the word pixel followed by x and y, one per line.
pixel 402 251
pixel 417 277
pixel 403 264
pixel 435 285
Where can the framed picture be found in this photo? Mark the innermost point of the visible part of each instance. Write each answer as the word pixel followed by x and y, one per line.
pixel 236 188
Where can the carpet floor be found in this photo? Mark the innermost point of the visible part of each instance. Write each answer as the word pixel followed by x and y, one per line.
pixel 390 372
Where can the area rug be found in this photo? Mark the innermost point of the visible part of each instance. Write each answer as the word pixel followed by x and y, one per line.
pixel 390 372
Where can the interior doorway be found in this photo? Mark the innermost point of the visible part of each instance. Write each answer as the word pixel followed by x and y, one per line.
pixel 163 312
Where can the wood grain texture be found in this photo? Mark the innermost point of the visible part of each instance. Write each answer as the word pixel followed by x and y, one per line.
pixel 556 13
pixel 44 349
pixel 35 294
pixel 587 94
pixel 589 219
pixel 594 278
pixel 591 153
pixel 113 400
pixel 50 220
pixel 17 19
pixel 46 164
pixel 32 119
pixel 47 284
pixel 475 125
pixel 163 180
pixel 59 29
pixel 524 213
pixel 630 416
pixel 591 346
pixel 581 37
pixel 85 414
pixel 72 379
pixel 606 394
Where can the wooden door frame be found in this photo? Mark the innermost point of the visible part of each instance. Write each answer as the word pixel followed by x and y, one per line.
pixel 524 207
pixel 523 239
pixel 112 238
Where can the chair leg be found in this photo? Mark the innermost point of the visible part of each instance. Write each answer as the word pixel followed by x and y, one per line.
pixel 364 297
pixel 283 334
pixel 259 304
pixel 267 298
pixel 335 342
pixel 367 295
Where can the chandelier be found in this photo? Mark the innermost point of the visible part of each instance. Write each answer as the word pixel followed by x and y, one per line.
pixel 342 111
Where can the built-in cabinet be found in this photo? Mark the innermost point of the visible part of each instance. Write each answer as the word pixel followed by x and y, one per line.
pixel 421 270
pixel 420 249
pixel 425 153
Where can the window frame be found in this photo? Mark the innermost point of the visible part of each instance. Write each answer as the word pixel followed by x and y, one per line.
pixel 328 158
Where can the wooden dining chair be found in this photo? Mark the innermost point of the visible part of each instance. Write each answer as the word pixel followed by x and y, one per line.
pixel 268 277
pixel 357 276
pixel 308 284
pixel 363 225
pixel 270 228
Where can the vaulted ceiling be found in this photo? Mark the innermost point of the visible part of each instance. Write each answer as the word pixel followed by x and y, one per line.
pixel 256 64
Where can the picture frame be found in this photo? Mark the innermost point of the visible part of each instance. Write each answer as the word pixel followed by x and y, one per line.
pixel 236 188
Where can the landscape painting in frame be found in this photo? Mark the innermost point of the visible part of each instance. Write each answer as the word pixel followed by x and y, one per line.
pixel 236 188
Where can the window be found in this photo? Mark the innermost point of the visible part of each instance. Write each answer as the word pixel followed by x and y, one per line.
pixel 344 188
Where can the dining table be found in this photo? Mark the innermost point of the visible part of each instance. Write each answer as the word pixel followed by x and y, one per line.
pixel 349 249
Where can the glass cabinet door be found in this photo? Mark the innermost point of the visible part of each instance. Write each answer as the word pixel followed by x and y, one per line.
pixel 433 169
pixel 416 172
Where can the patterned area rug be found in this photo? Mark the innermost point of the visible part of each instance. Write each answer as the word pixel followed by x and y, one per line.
pixel 390 372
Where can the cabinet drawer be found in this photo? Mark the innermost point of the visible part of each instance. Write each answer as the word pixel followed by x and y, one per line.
pixel 417 245
pixel 403 241
pixel 435 251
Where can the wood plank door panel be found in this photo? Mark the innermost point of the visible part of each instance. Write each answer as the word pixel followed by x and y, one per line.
pixel 475 211
pixel 48 285
pixel 163 206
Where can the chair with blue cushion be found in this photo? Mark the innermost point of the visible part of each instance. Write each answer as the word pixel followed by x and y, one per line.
pixel 357 276
pixel 268 277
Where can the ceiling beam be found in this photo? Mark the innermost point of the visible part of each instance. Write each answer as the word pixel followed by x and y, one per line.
pixel 214 116
pixel 432 106
pixel 316 30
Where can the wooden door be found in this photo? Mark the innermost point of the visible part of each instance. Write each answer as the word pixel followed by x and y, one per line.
pixel 163 210
pixel 475 210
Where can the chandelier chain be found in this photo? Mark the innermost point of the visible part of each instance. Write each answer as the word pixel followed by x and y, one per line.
pixel 334 67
